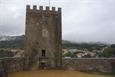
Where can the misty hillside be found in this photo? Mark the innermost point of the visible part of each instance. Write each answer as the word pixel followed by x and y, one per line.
pixel 12 42
pixel 18 42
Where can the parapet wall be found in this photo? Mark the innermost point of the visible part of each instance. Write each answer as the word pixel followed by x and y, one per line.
pixel 40 8
pixel 102 65
pixel 11 65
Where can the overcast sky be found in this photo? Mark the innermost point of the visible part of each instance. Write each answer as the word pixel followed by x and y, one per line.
pixel 82 20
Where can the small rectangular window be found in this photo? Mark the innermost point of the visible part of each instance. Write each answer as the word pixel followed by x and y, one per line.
pixel 43 53
pixel 45 19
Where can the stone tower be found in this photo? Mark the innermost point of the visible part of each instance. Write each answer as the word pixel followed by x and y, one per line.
pixel 43 38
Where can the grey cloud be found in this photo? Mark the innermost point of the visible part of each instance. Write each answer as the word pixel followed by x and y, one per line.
pixel 83 20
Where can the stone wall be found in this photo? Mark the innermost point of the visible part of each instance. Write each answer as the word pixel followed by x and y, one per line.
pixel 102 65
pixel 11 65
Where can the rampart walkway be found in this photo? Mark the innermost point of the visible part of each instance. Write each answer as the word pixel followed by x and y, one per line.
pixel 54 73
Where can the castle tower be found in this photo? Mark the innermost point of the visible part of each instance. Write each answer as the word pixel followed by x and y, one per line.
pixel 43 37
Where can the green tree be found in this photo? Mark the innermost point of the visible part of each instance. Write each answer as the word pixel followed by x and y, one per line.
pixel 108 52
pixel 67 54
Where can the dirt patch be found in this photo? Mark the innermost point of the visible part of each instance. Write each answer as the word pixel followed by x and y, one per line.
pixel 54 73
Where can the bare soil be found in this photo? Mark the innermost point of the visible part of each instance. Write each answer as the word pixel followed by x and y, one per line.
pixel 54 73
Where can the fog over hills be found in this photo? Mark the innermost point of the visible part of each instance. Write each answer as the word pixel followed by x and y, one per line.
pixel 18 42
pixel 21 37
pixel 11 38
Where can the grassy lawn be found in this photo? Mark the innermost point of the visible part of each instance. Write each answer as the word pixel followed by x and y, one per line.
pixel 55 73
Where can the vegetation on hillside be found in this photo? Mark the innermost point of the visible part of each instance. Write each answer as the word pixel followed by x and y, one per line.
pixel 17 43
pixel 108 52
pixel 88 46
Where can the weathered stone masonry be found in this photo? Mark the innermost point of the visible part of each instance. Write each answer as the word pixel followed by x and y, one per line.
pixel 99 64
pixel 11 65
pixel 43 38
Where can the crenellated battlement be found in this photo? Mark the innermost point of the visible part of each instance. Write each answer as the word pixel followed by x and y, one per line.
pixel 41 8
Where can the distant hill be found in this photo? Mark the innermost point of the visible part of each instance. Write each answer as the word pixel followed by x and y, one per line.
pixel 7 38
pixel 18 42
pixel 11 38
pixel 12 42
pixel 89 46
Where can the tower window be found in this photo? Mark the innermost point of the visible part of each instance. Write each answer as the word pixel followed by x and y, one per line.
pixel 43 52
pixel 45 19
